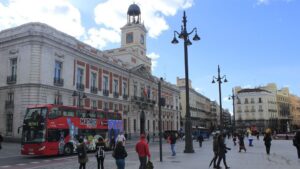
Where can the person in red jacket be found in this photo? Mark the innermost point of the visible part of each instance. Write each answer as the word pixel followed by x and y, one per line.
pixel 142 149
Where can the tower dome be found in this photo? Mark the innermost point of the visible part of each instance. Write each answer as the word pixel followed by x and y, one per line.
pixel 134 14
pixel 134 10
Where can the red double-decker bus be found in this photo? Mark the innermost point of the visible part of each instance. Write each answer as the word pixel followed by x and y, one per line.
pixel 55 129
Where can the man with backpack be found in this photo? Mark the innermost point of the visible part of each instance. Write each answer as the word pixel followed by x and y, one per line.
pixel 100 152
pixel 82 154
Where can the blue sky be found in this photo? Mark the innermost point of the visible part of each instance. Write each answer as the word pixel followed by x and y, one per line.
pixel 254 41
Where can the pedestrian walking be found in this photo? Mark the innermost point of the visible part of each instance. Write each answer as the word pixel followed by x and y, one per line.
pixel 120 154
pixel 172 141
pixel 121 138
pixel 142 149
pixel 200 139
pixel 222 151
pixel 296 142
pixel 215 150
pixel 1 140
pixel 257 135
pixel 234 139
pixel 112 142
pixel 267 140
pixel 82 154
pixel 100 153
pixel 242 143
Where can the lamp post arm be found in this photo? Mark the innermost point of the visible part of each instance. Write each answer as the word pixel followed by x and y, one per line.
pixel 195 29
pixel 175 32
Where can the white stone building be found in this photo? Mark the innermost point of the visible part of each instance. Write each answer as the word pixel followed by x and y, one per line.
pixel 255 107
pixel 40 64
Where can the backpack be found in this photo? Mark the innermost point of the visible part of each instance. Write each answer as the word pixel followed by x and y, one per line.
pixel 100 152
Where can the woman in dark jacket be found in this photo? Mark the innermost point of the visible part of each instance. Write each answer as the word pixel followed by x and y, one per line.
pixel 100 154
pixel 267 140
pixel 82 154
pixel 222 151
pixel 120 154
pixel 296 141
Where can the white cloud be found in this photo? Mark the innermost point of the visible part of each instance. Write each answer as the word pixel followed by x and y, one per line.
pixel 60 14
pixel 154 58
pixel 112 15
pixel 100 37
pixel 267 2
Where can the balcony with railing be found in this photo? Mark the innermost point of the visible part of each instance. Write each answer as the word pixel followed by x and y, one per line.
pixel 125 97
pixel 105 92
pixel 116 95
pixel 260 110
pixel 80 86
pixel 94 89
pixel 9 104
pixel 11 79
pixel 58 81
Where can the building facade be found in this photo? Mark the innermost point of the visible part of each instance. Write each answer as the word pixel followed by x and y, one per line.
pixel 200 106
pixel 255 107
pixel 295 109
pixel 41 65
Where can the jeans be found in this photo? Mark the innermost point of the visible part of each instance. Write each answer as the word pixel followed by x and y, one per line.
pixel 222 156
pixel 100 162
pixel 173 149
pixel 120 163
pixel 143 162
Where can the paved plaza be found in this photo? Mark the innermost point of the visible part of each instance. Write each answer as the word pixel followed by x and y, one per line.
pixel 283 156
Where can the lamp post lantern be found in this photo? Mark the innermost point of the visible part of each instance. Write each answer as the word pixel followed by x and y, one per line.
pixel 233 97
pixel 80 96
pixel 220 80
pixel 188 124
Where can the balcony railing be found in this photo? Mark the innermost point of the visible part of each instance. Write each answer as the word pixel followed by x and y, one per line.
pixel 11 79
pixel 80 86
pixel 58 81
pixel 9 104
pixel 116 95
pixel 125 97
pixel 105 93
pixel 94 90
pixel 260 110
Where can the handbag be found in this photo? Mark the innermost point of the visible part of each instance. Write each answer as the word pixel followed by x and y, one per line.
pixel 149 165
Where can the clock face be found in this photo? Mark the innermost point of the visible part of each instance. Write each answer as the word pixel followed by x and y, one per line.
pixel 142 39
pixel 129 37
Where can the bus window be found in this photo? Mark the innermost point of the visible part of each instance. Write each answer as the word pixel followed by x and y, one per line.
pixel 92 114
pixel 55 135
pixel 100 115
pixel 81 113
pixel 54 113
pixel 68 113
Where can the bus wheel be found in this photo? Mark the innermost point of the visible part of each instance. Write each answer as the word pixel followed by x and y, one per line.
pixel 68 150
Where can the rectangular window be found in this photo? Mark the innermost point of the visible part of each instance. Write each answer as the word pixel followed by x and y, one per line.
pixel 124 88
pixel 105 82
pixel 9 124
pixel 135 90
pixel 94 104
pixel 116 86
pixel 134 125
pixel 105 106
pixel 57 99
pixel 93 79
pixel 13 65
pixel 58 70
pixel 79 75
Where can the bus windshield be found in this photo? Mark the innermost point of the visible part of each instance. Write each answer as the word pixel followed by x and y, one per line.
pixel 34 125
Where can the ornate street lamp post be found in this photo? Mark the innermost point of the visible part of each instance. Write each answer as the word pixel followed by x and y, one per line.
pixel 188 124
pixel 80 96
pixel 233 97
pixel 220 80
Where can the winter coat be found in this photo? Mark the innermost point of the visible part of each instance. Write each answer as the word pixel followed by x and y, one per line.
pixel 82 148
pixel 267 140
pixel 215 145
pixel 142 148
pixel 222 147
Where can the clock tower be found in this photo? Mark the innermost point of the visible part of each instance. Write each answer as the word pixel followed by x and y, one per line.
pixel 134 32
